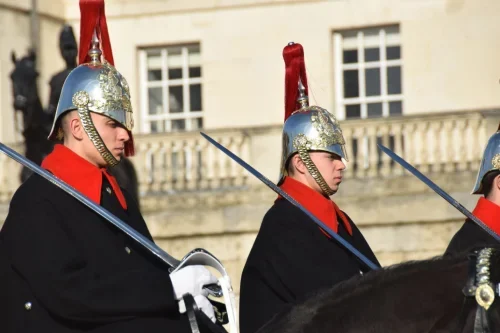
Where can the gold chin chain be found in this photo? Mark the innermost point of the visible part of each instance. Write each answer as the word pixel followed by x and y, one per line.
pixel 81 100
pixel 313 170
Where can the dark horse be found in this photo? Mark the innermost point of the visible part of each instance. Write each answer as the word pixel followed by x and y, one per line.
pixel 428 296
pixel 37 123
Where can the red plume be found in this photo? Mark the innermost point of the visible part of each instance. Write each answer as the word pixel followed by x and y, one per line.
pixel 93 18
pixel 295 68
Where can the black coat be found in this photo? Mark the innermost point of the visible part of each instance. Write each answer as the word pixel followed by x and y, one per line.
pixel 77 271
pixel 470 236
pixel 290 259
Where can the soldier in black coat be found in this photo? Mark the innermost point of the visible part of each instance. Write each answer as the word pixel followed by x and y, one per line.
pixel 487 209
pixel 290 260
pixel 65 269
pixel 292 257
pixel 62 267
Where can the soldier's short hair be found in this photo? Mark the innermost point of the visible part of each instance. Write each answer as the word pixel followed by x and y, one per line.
pixel 488 180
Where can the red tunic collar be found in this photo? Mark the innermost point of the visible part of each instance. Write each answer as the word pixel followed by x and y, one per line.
pixel 489 213
pixel 321 207
pixel 80 173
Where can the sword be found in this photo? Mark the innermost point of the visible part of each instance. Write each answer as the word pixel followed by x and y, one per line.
pixel 283 194
pixel 438 190
pixel 201 256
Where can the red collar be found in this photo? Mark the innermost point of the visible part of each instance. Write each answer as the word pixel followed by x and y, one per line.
pixel 323 208
pixel 80 173
pixel 489 213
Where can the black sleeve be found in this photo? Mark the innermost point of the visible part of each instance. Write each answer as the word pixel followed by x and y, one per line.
pixel 64 281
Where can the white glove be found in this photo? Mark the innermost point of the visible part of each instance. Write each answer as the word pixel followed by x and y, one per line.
pixel 203 304
pixel 190 280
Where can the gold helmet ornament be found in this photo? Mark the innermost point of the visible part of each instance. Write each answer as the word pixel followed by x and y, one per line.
pixel 307 128
pixel 95 85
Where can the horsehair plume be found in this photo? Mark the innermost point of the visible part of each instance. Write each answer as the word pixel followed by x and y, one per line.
pixel 295 69
pixel 93 18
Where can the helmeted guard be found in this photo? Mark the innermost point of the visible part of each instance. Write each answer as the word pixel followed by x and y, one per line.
pixel 292 257
pixel 63 268
pixel 487 209
pixel 95 86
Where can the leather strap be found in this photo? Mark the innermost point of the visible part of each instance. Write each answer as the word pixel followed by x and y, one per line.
pixel 191 309
pixel 481 323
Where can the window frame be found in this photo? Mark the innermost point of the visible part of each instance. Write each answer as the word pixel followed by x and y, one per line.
pixel 165 117
pixel 383 63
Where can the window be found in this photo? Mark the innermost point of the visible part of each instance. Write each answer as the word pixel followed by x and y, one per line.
pixel 368 73
pixel 171 94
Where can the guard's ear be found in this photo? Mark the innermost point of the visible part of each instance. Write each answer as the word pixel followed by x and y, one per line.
pixel 13 56
pixel 496 182
pixel 297 165
pixel 73 125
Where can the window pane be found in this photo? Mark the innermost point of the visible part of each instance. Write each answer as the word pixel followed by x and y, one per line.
pixel 175 73
pixel 374 110
pixel 392 35
pixel 196 123
pixel 156 126
pixel 154 75
pixel 174 63
pixel 353 111
pixel 154 59
pixel 393 52
pixel 372 78
pixel 178 125
pixel 371 37
pixel 155 101
pixel 351 83
pixel 194 55
pixel 175 99
pixel 394 80
pixel 350 56
pixel 395 108
pixel 372 54
pixel 194 71
pixel 195 97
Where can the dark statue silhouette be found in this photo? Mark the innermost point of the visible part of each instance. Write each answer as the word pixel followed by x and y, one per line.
pixel 37 122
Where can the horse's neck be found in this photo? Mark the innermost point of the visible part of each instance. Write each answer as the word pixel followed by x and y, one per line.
pixel 420 302
pixel 412 300
pixel 34 105
pixel 34 114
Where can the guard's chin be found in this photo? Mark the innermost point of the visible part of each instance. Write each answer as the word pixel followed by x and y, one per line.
pixel 335 188
pixel 118 156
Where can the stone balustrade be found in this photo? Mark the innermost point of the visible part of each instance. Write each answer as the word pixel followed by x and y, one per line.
pixel 172 163
pixel 433 143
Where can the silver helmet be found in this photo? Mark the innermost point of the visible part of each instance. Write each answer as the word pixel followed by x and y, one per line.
pixel 307 128
pixel 95 86
pixel 489 163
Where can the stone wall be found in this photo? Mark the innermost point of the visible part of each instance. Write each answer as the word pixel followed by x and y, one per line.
pixel 400 217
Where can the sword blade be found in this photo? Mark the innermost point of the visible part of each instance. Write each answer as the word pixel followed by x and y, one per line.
pixel 282 193
pixel 438 190
pixel 139 238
